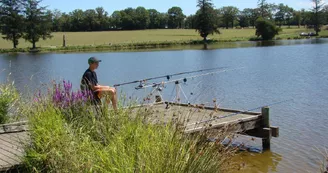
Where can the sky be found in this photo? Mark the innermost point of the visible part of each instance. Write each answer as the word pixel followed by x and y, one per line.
pixel 188 6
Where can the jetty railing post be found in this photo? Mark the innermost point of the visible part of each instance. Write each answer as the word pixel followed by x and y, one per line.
pixel 266 128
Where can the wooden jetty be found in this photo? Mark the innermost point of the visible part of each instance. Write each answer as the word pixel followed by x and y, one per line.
pixel 197 118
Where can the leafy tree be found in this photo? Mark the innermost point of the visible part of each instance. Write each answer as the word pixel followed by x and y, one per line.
pixel 281 14
pixel 325 13
pixel 190 22
pixel 38 22
pixel 89 20
pixel 245 17
pixel 102 19
pixel 255 14
pixel 284 14
pixel 205 19
pixel 264 8
pixel 116 19
pixel 56 23
pixel 289 14
pixel 11 20
pixel 154 19
pixel 297 18
pixel 128 19
pixel 266 29
pixel 77 20
pixel 176 17
pixel 229 15
pixel 163 18
pixel 317 14
pixel 141 18
pixel 65 22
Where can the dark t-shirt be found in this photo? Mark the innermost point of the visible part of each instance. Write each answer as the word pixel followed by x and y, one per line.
pixel 89 79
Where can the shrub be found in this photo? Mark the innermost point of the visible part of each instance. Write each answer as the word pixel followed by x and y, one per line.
pixel 8 98
pixel 266 29
pixel 123 141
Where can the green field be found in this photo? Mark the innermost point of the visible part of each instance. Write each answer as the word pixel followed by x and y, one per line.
pixel 147 36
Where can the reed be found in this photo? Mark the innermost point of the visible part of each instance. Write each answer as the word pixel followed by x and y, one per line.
pixel 70 134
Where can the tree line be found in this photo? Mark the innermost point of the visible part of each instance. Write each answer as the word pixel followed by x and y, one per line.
pixel 29 20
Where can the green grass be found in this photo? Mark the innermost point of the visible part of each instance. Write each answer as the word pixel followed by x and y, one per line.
pixel 80 139
pixel 8 100
pixel 116 40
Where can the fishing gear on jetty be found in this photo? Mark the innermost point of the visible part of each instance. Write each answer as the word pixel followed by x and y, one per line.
pixel 168 77
pixel 184 80
pixel 143 83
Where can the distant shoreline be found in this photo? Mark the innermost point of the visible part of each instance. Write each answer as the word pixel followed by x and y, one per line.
pixel 131 47
pixel 144 40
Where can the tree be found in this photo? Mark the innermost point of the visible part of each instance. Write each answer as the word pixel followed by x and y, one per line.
pixel 11 20
pixel 128 18
pixel 245 17
pixel 289 14
pixel 154 20
pixel 284 14
pixel 266 29
pixel 264 8
pixel 56 15
pixel 77 20
pixel 142 19
pixel 229 15
pixel 116 19
pixel 190 22
pixel 102 20
pixel 205 19
pixel 255 14
pixel 297 18
pixel 176 17
pixel 317 10
pixel 163 18
pixel 38 22
pixel 65 22
pixel 90 20
pixel 281 14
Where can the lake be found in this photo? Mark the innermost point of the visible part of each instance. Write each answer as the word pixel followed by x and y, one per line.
pixel 271 73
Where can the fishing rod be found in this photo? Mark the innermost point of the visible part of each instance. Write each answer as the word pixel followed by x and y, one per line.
pixel 237 113
pixel 168 77
pixel 178 81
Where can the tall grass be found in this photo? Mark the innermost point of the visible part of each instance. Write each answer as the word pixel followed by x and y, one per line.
pixel 8 100
pixel 69 134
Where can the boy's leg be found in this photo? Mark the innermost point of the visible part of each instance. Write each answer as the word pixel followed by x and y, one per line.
pixel 111 92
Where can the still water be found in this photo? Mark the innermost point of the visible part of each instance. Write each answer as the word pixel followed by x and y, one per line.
pixel 270 74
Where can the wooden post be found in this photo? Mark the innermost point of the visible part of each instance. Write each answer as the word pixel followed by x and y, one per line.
pixel 266 128
pixel 64 41
pixel 266 117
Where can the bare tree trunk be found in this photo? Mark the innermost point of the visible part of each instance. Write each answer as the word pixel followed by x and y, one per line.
pixel 33 42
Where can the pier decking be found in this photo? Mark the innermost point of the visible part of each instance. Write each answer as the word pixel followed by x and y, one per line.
pixel 196 118
pixel 12 140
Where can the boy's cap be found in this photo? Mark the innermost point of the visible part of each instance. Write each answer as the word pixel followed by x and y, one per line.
pixel 93 60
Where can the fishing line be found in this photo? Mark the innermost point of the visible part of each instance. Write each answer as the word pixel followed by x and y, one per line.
pixel 186 79
pixel 168 76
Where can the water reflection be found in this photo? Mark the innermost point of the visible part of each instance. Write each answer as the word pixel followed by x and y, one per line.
pixel 259 163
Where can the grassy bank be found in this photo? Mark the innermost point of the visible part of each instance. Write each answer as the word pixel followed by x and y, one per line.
pixel 142 39
pixel 69 134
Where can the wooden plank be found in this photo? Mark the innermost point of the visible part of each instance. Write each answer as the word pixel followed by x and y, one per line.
pixel 11 146
pixel 19 137
pixel 9 158
pixel 213 108
pixel 239 125
pixel 275 131
pixel 16 151
pixel 8 142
